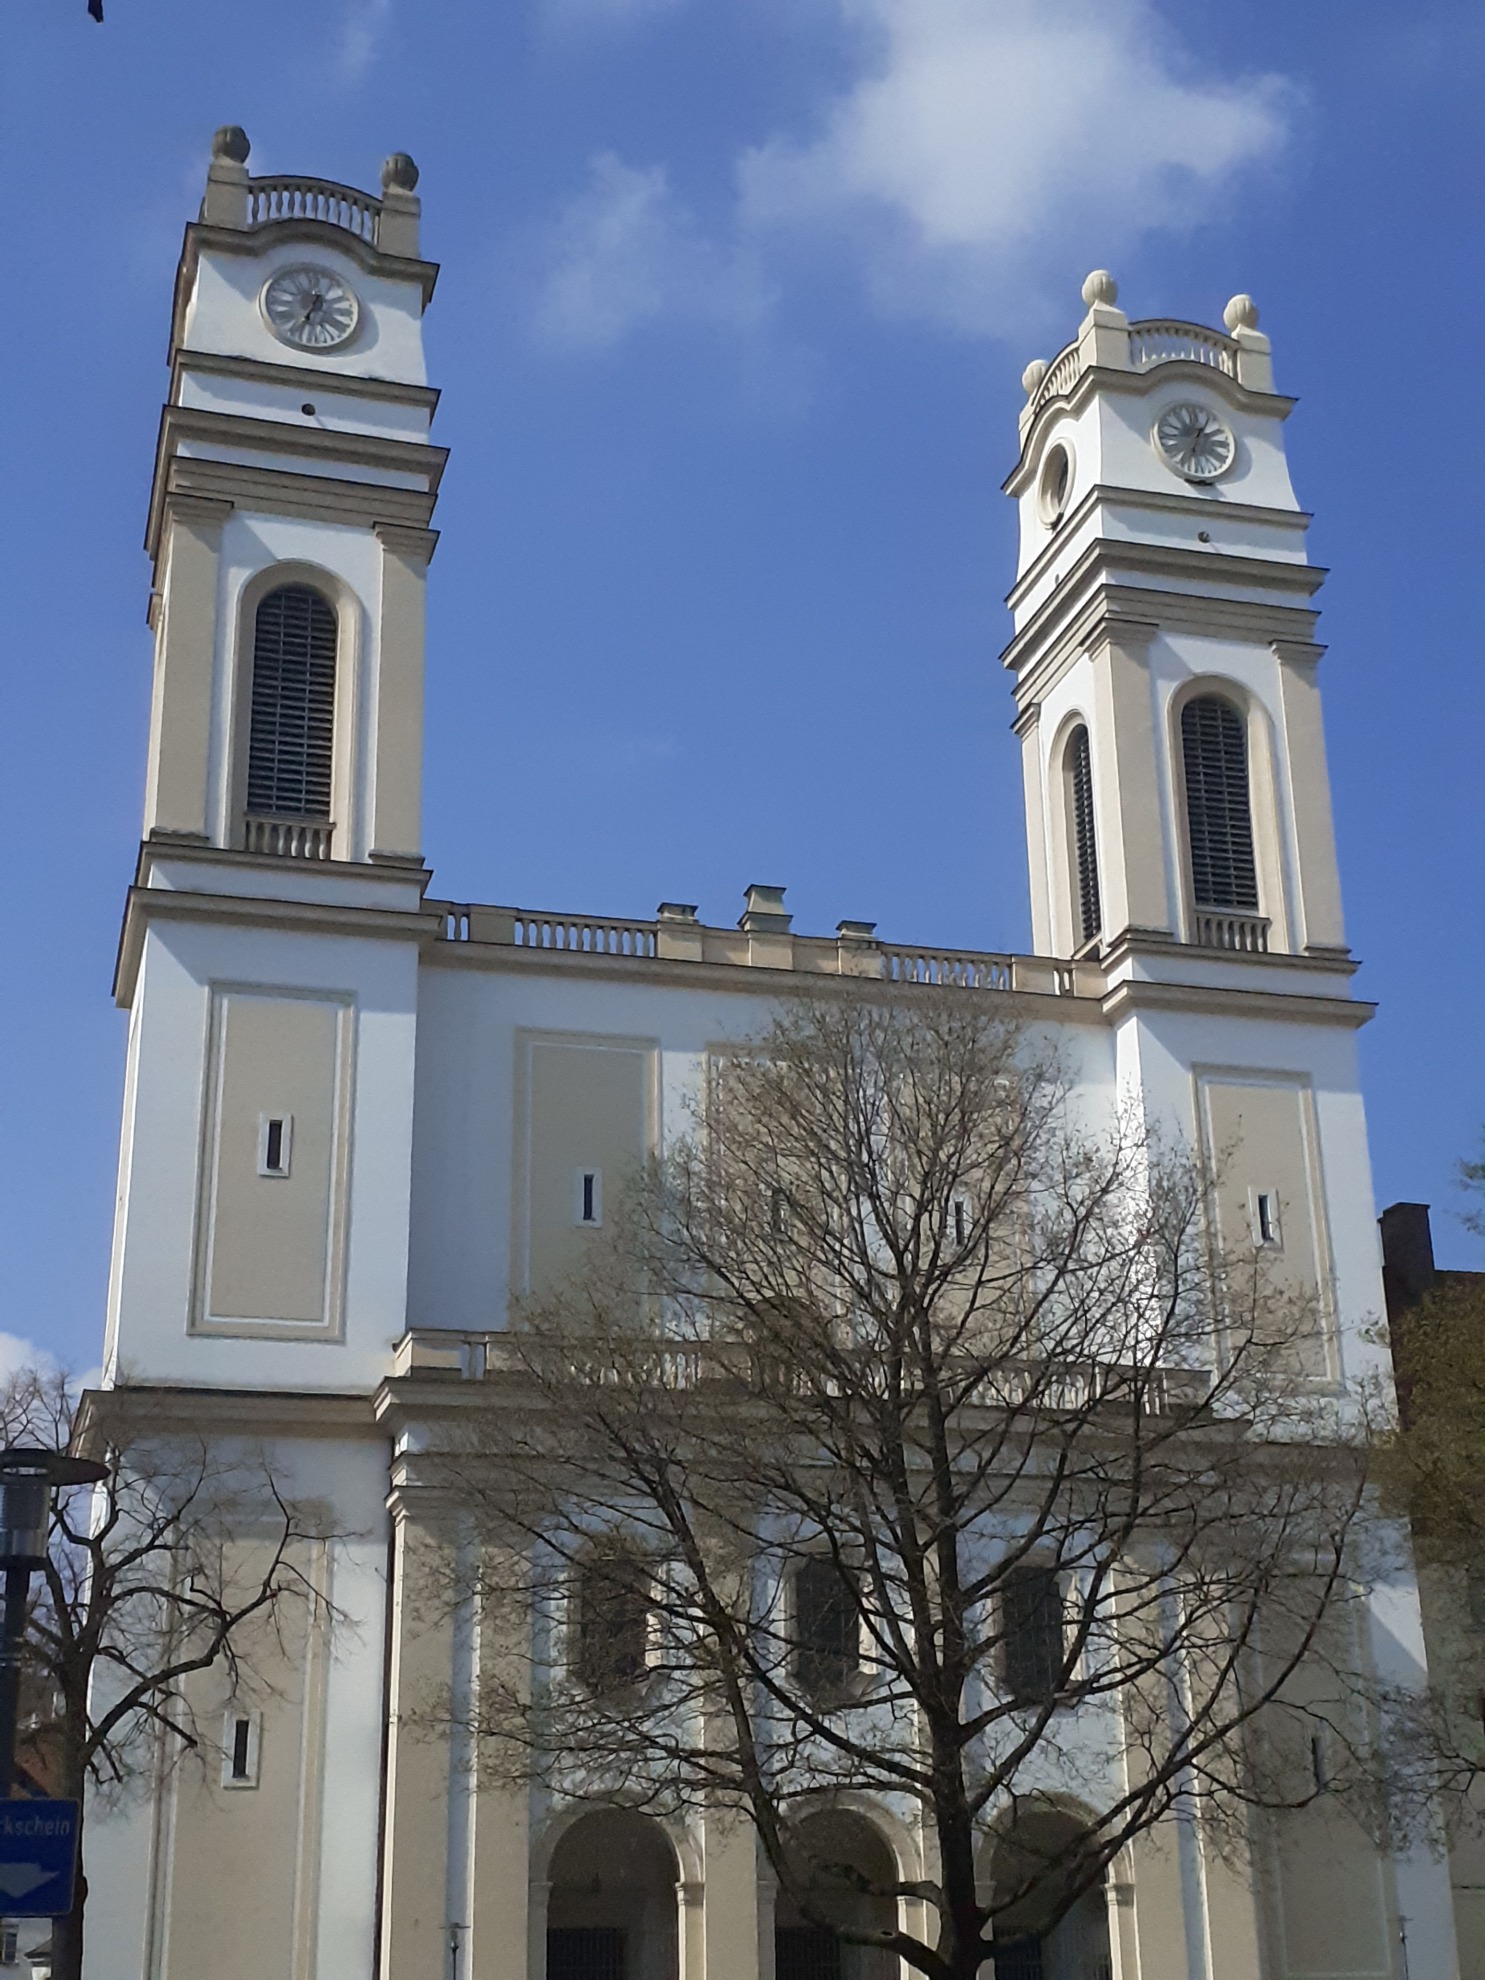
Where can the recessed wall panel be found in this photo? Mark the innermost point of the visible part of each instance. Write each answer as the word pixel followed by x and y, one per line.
pixel 276 1134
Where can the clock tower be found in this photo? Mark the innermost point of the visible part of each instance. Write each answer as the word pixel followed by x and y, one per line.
pixel 270 946
pixel 1164 655
pixel 289 523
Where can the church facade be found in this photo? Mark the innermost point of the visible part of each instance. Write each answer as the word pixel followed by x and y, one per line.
pixel 359 1119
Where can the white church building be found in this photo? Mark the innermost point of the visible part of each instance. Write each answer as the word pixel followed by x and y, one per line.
pixel 359 1118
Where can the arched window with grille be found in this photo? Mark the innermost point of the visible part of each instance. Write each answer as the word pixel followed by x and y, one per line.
pixel 291 738
pixel 1084 834
pixel 1219 823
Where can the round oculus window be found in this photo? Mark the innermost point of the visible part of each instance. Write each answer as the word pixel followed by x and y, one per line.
pixel 1192 440
pixel 311 308
pixel 1054 484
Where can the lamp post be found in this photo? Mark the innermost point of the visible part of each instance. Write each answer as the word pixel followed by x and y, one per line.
pixel 27 1480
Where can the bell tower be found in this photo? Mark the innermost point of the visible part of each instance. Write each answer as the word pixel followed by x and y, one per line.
pixel 269 954
pixel 1164 654
pixel 289 523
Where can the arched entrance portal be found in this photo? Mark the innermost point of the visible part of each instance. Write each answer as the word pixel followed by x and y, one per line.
pixel 611 1911
pixel 1045 1933
pixel 846 1866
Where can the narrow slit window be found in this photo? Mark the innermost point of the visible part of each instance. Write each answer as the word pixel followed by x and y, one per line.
pixel 275 1140
pixel 960 1225
pixel 1085 834
pixel 588 1197
pixel 291 738
pixel 241 1740
pixel 1265 1208
pixel 1219 824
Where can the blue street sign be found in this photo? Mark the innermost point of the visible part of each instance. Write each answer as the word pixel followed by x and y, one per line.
pixel 38 1857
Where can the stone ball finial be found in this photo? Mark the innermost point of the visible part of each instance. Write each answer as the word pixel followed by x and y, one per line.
pixel 1241 314
pixel 399 173
pixel 1100 287
pixel 231 143
pixel 1033 375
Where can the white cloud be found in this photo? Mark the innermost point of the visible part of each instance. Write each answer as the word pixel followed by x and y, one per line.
pixel 626 251
pixel 984 140
pixel 978 152
pixel 16 1353
pixel 363 30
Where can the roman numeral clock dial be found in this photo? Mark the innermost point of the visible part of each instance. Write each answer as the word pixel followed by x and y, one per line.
pixel 311 308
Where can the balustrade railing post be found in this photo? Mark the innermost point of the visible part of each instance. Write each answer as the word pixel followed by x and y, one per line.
pixel 226 201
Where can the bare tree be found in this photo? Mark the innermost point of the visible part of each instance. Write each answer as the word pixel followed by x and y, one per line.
pixel 160 1574
pixel 911 1438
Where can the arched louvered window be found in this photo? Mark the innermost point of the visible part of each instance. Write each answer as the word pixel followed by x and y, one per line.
pixel 1084 833
pixel 292 734
pixel 1214 745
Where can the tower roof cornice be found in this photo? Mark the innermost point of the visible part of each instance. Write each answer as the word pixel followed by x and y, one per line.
pixel 1092 380
pixel 201 236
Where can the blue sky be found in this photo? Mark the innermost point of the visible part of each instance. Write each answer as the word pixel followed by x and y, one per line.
pixel 736 298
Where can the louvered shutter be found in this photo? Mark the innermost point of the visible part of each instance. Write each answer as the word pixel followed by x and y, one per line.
pixel 1085 835
pixel 1218 819
pixel 292 736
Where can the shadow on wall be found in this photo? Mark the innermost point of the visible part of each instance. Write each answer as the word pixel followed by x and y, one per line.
pixel 612 1910
pixel 1041 1936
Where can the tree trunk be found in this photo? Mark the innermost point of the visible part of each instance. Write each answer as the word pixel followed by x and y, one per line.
pixel 67 1933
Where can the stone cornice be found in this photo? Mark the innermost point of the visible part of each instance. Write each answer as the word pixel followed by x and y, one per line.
pixel 275 491
pixel 1042 652
pixel 299 378
pixel 319 448
pixel 416 545
pixel 1107 379
pixel 1288 1007
pixel 144 905
pixel 1135 945
pixel 1198 507
pixel 189 1410
pixel 1203 568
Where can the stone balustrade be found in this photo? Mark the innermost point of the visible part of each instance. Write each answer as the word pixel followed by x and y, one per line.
pixel 450 1354
pixel 236 199
pixel 677 936
pixel 1239 934
pixel 313 199
pixel 1159 342
pixel 288 838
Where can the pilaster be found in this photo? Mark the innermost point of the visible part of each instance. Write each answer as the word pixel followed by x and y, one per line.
pixel 1028 728
pixel 1321 927
pixel 1131 840
pixel 734 1893
pixel 177 792
pixel 414 1931
pixel 395 824
pixel 501 1921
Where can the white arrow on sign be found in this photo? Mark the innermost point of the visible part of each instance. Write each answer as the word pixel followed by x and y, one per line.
pixel 18 1880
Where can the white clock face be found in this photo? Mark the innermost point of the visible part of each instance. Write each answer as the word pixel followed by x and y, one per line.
pixel 311 308
pixel 1195 442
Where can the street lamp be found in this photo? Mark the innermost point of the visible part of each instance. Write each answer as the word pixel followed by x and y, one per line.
pixel 27 1480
